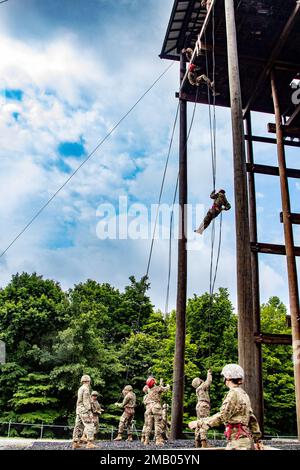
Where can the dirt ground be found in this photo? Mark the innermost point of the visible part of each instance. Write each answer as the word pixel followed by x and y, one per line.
pixel 28 444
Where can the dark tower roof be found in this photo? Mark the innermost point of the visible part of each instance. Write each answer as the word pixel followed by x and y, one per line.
pixel 268 37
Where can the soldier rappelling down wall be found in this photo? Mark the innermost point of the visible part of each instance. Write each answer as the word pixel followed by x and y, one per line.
pixel 220 204
pixel 84 423
pixel 128 404
pixel 154 410
pixel 241 427
pixel 203 404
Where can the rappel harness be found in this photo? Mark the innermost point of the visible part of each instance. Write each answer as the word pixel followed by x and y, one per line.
pixel 242 431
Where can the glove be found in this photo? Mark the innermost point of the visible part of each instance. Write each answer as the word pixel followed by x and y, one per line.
pixel 193 425
pixel 202 424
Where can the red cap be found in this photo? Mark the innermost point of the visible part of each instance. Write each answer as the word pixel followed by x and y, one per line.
pixel 150 382
pixel 192 67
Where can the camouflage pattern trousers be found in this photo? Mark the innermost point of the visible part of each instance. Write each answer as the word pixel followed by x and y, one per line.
pixel 203 410
pixel 210 216
pixel 126 421
pixel 242 442
pixel 84 424
pixel 148 424
pixel 153 415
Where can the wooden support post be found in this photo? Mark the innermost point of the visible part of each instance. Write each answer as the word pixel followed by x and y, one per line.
pixel 248 352
pixel 289 242
pixel 255 272
pixel 179 359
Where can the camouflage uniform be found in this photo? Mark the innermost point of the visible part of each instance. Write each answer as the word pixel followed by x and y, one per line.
pixel 97 411
pixel 196 78
pixel 220 204
pixel 165 422
pixel 154 412
pixel 84 423
pixel 148 418
pixel 241 426
pixel 128 404
pixel 203 405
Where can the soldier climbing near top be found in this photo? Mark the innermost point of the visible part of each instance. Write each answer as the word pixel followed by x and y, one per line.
pixel 128 404
pixel 206 4
pixel 196 76
pixel 220 204
pixel 203 404
pixel 241 427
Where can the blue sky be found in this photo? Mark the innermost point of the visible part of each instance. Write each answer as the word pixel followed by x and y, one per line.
pixel 69 70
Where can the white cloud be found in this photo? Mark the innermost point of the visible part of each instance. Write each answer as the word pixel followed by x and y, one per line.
pixel 71 93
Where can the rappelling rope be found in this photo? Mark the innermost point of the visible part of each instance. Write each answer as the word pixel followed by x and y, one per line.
pixel 143 293
pixel 213 136
pixel 172 212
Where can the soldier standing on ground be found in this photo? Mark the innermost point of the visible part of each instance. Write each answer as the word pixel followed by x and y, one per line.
pixel 148 417
pixel 203 404
pixel 165 422
pixel 128 404
pixel 154 410
pixel 84 423
pixel 97 411
pixel 241 427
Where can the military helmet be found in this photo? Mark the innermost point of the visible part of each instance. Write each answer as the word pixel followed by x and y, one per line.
pixel 196 382
pixel 85 378
pixel 128 388
pixel 94 394
pixel 222 191
pixel 233 371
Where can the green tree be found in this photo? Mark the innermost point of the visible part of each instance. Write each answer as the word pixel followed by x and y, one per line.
pixel 32 310
pixel 278 374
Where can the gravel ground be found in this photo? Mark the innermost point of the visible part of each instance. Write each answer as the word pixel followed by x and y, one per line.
pixel 136 445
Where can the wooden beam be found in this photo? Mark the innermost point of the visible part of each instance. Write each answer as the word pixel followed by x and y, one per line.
pixel 271 249
pixel 295 218
pixel 278 65
pixel 255 266
pixel 179 357
pixel 248 351
pixel 268 140
pixel 271 170
pixel 274 56
pixel 293 132
pixel 266 338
